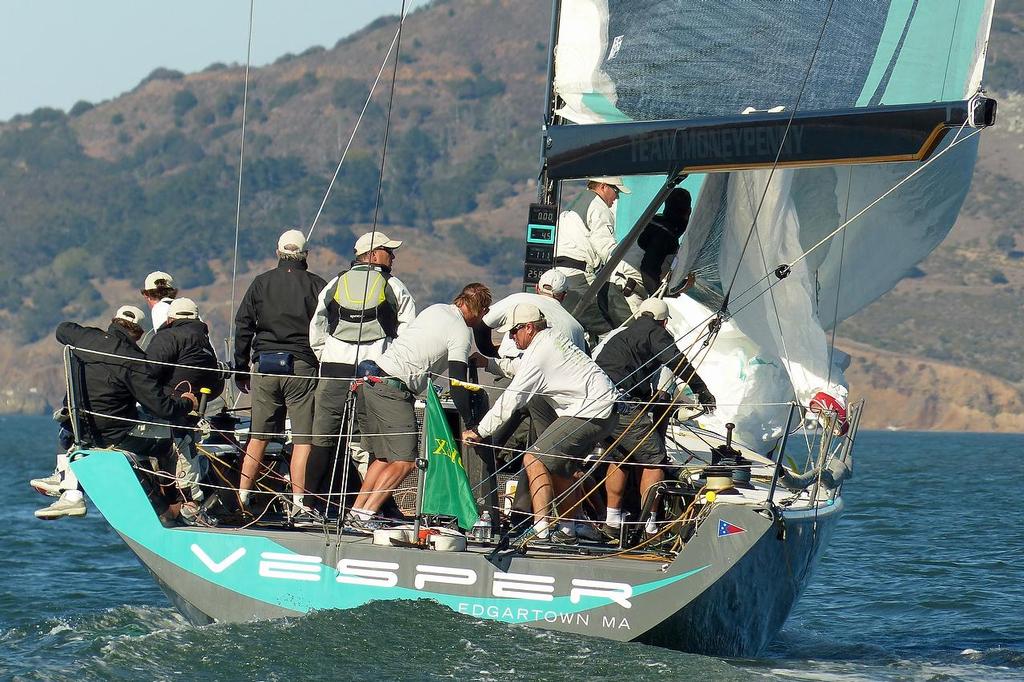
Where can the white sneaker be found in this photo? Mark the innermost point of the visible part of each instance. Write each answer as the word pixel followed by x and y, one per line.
pixel 50 485
pixel 61 508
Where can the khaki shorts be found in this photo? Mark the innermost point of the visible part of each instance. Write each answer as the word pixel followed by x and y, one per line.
pixel 275 395
pixel 387 419
pixel 564 444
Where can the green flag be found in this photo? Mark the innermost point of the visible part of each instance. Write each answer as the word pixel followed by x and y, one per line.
pixel 446 489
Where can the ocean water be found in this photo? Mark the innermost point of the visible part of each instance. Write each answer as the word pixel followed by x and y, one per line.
pixel 924 580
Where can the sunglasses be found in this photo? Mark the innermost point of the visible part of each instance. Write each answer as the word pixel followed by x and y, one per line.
pixel 513 330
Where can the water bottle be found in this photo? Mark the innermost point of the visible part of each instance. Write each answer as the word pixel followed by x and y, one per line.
pixel 482 527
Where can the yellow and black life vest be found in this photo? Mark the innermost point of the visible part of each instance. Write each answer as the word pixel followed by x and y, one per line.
pixel 361 308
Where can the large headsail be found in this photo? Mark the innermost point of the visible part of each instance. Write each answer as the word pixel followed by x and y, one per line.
pixel 618 61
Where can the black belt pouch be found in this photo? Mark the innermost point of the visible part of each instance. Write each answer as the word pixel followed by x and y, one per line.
pixel 276 363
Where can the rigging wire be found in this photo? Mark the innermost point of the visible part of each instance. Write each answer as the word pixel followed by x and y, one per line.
pixel 355 129
pixel 238 199
pixel 778 155
pixel 839 280
pixel 387 123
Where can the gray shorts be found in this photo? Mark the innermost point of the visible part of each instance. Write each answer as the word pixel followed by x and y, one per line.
pixel 387 420
pixel 637 441
pixel 564 444
pixel 331 395
pixel 275 395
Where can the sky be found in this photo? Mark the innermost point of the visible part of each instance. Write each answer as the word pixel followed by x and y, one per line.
pixel 56 52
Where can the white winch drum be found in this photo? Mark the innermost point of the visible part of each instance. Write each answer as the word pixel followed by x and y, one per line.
pixel 447 541
pixel 384 536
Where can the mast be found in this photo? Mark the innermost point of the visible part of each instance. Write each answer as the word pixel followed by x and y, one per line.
pixel 547 190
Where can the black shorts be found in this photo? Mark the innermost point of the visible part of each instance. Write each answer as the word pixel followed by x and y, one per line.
pixel 638 441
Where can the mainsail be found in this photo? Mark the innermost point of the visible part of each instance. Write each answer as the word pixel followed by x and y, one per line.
pixel 635 60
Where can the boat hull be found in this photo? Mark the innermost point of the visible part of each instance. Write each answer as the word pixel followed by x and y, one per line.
pixel 727 593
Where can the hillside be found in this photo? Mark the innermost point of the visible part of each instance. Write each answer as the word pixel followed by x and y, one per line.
pixel 97 196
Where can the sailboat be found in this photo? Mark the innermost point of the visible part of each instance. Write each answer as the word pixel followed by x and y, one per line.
pixel 828 147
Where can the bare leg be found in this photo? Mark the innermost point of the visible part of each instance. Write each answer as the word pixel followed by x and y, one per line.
pixel 373 472
pixel 300 460
pixel 615 485
pixel 541 487
pixel 648 478
pixel 251 463
pixel 393 474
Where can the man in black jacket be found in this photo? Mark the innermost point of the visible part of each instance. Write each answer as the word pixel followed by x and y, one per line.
pixel 633 359
pixel 183 343
pixel 183 360
pixel 111 376
pixel 659 240
pixel 272 331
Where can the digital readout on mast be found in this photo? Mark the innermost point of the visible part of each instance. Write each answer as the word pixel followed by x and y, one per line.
pixel 540 243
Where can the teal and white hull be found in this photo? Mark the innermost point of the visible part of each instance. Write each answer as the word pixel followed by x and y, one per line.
pixel 724 593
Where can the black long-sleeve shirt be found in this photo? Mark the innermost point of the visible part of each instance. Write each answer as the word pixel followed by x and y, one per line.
pixel 634 356
pixel 109 385
pixel 275 312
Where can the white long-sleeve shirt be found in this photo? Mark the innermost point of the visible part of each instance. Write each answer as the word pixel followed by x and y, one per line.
pixel 573 241
pixel 553 367
pixel 437 336
pixel 601 224
pixel 558 318
pixel 329 349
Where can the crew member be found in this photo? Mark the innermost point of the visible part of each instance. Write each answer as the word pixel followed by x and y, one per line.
pixel 622 296
pixel 159 291
pixel 184 361
pixel 114 377
pixel 659 242
pixel 439 338
pixel 580 392
pixel 358 314
pixel 633 358
pixel 577 261
pixel 272 331
pixel 548 294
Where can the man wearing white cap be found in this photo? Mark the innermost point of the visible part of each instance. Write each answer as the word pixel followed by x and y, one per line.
pixel 184 361
pixel 548 294
pixel 601 214
pixel 113 378
pixel 272 332
pixel 633 358
pixel 159 291
pixel 581 394
pixel 358 314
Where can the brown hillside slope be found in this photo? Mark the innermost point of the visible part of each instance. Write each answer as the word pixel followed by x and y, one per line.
pixel 913 393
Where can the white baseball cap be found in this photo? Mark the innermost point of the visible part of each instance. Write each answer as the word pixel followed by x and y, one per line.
pixel 656 307
pixel 292 241
pixel 553 282
pixel 375 240
pixel 183 309
pixel 155 279
pixel 130 313
pixel 520 314
pixel 611 180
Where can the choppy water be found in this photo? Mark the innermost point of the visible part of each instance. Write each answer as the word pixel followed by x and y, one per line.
pixel 924 580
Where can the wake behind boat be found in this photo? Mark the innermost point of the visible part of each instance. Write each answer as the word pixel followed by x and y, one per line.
pixel 869 156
